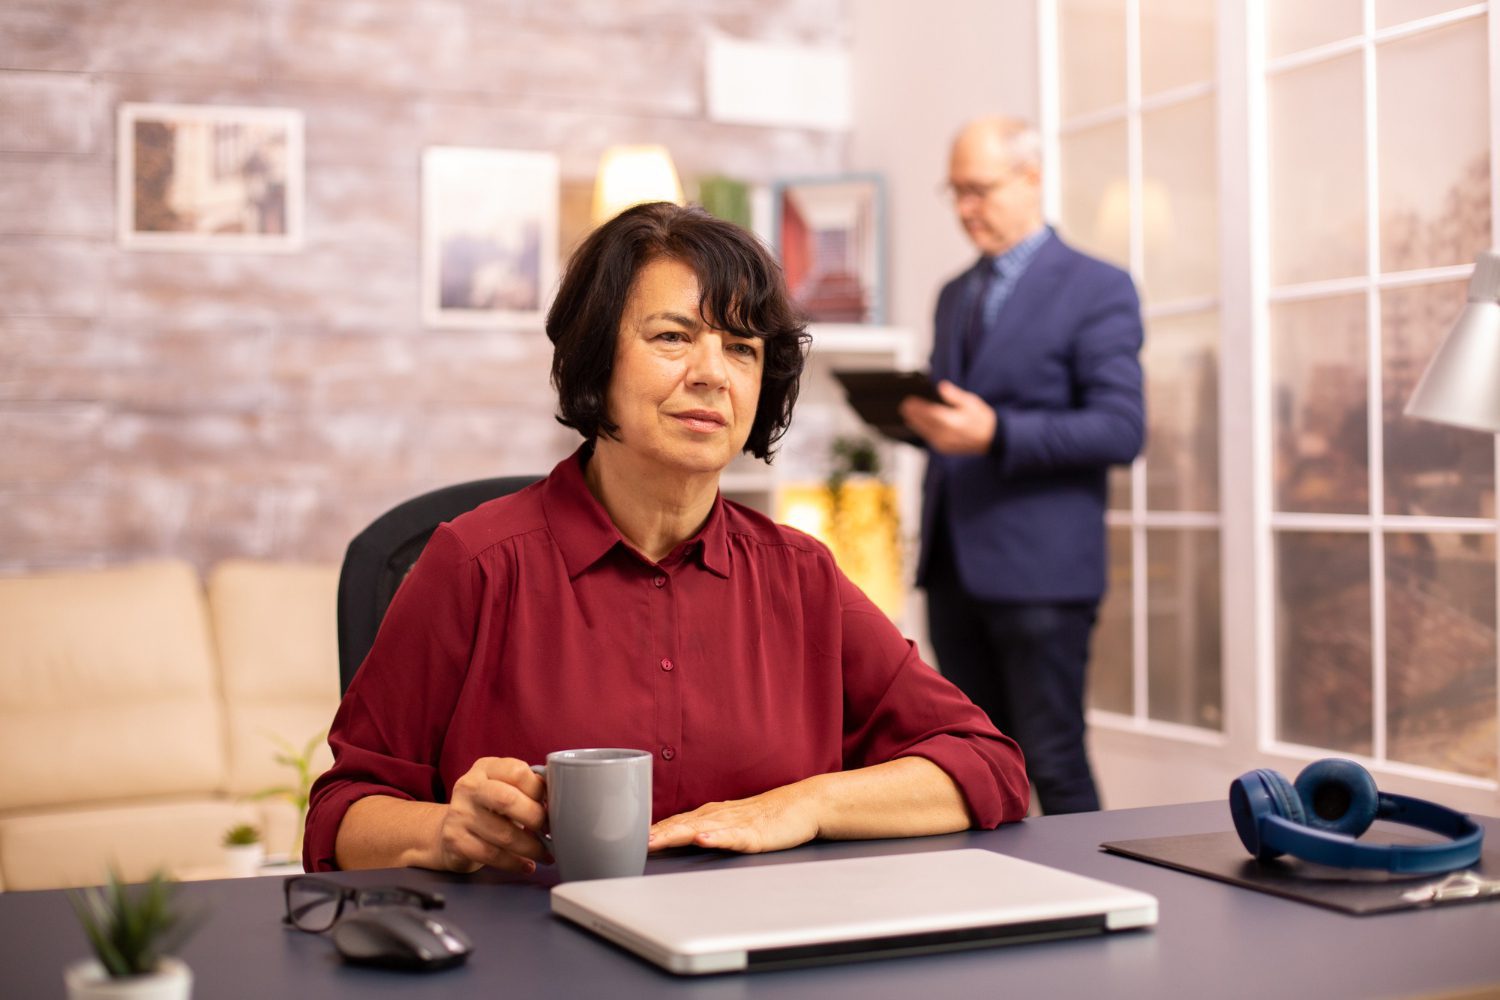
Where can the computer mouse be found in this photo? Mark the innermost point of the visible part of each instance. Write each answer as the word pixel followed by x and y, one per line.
pixel 401 937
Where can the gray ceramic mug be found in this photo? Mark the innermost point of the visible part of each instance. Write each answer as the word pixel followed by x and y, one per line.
pixel 598 811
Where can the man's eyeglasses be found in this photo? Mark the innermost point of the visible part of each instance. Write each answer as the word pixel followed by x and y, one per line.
pixel 979 190
pixel 315 904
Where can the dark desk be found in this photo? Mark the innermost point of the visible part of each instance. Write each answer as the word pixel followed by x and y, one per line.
pixel 1213 940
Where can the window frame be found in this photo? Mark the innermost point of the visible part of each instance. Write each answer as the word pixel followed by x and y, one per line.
pixel 1140 760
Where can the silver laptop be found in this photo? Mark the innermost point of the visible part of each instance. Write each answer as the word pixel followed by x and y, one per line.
pixel 734 919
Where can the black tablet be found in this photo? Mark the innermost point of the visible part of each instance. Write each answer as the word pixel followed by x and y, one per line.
pixel 876 396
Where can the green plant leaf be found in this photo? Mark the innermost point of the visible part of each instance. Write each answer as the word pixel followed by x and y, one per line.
pixel 276 791
pixel 130 929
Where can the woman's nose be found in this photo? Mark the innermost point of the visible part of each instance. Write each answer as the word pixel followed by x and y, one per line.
pixel 706 362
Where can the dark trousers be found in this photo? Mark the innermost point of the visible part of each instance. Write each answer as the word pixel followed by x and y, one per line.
pixel 1025 665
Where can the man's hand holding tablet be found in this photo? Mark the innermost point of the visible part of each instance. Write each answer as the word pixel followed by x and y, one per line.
pixel 877 397
pixel 961 423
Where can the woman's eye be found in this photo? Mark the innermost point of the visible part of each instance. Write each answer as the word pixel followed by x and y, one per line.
pixel 671 336
pixel 747 350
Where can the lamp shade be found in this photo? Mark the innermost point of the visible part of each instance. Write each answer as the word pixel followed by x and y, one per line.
pixel 1462 383
pixel 630 175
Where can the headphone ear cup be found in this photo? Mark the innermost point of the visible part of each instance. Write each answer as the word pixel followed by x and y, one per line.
pixel 1337 796
pixel 1284 794
pixel 1255 796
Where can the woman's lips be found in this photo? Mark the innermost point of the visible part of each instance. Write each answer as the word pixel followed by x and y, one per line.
pixel 703 421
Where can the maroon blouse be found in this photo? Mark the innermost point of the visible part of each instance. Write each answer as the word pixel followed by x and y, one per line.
pixel 745 660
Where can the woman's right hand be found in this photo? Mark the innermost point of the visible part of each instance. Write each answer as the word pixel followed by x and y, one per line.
pixel 494 818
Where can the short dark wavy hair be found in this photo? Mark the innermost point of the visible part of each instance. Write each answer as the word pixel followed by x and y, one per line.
pixel 742 292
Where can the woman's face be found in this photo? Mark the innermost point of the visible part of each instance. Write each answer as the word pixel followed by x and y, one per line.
pixel 682 393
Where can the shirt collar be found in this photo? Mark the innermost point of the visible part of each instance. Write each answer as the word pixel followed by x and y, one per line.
pixel 1014 260
pixel 584 533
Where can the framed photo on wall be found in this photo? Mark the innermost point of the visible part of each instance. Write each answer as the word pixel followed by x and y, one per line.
pixel 209 177
pixel 830 236
pixel 489 236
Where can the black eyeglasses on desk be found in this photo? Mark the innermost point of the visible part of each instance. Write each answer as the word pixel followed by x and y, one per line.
pixel 315 904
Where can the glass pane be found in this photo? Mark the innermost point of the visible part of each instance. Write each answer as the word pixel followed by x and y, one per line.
pixel 1389 12
pixel 1177 43
pixel 1294 25
pixel 1429 468
pixel 1182 406
pixel 1434 137
pixel 1091 55
pixel 1315 121
pixel 1096 192
pixel 1440 651
pixel 1179 202
pixel 1120 496
pixel 1318 351
pixel 1111 683
pixel 1183 674
pixel 1323 640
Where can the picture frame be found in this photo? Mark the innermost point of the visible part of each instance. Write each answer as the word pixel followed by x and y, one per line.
pixel 829 233
pixel 489 236
pixel 199 177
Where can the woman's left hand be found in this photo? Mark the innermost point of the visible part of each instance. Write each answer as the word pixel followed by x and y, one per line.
pixel 771 821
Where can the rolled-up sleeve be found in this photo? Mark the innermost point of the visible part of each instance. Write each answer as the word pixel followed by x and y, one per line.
pixel 388 732
pixel 895 705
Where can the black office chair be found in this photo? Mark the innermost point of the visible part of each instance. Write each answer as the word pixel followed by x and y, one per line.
pixel 380 557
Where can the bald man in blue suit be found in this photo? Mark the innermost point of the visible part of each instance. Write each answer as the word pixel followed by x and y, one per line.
pixel 1036 353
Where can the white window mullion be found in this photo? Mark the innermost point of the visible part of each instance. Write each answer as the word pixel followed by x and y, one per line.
pixel 1165 519
pixel 1139 571
pixel 1049 112
pixel 1133 135
pixel 1429 524
pixel 1140 649
pixel 1348 286
pixel 1086 120
pixel 1375 392
pixel 1181 307
pixel 1494 50
pixel 1261 440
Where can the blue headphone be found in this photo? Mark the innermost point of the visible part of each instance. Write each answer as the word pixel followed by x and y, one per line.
pixel 1334 801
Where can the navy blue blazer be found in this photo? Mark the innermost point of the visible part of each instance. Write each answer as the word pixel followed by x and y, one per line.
pixel 1061 366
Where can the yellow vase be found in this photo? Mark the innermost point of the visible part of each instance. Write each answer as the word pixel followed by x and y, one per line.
pixel 861 527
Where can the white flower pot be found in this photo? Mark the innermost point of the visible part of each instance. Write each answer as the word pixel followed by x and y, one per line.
pixel 244 859
pixel 87 980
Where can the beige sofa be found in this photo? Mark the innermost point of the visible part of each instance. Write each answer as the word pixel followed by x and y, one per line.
pixel 138 710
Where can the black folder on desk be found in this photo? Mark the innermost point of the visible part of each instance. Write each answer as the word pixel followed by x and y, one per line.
pixel 1357 891
pixel 876 396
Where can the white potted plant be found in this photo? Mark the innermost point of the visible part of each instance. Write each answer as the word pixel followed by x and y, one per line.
pixel 243 850
pixel 132 932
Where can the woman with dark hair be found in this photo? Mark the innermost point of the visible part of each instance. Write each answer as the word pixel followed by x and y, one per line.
pixel 622 601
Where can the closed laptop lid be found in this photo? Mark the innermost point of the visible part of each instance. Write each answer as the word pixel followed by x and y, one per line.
pixel 728 919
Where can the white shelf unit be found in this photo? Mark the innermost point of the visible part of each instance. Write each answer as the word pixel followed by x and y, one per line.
pixel 823 414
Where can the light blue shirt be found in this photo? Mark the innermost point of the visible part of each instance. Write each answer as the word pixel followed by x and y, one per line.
pixel 1008 268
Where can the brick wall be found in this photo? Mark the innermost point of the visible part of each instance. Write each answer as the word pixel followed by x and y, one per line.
pixel 269 405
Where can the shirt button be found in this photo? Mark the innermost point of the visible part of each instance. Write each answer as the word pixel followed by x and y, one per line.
pixel 660 581
pixel 667 753
pixel 666 664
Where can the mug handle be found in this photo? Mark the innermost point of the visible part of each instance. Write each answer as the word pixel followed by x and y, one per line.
pixel 546 835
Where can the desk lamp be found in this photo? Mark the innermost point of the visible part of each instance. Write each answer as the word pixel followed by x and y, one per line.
pixel 1462 383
